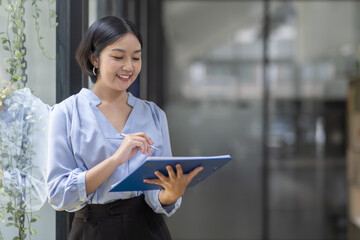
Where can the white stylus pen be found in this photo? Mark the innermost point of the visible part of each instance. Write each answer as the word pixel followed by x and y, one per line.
pixel 153 147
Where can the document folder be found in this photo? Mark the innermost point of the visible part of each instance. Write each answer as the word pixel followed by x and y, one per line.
pixel 134 182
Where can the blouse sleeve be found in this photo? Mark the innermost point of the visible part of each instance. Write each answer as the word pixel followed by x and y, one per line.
pixel 152 197
pixel 65 180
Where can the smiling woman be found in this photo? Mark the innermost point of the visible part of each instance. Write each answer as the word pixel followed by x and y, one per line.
pixel 120 60
pixel 88 154
pixel 99 36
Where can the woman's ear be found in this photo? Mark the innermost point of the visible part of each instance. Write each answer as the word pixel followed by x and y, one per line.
pixel 93 60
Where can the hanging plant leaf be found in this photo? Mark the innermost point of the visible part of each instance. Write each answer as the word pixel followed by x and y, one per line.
pixel 19 23
pixel 52 13
pixel 14 30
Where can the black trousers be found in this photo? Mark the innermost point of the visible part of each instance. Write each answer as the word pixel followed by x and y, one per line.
pixel 129 219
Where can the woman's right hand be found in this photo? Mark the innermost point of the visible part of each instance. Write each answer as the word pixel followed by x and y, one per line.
pixel 129 147
pixel 131 144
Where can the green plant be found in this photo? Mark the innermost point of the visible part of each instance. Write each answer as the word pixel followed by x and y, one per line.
pixel 13 155
pixel 13 39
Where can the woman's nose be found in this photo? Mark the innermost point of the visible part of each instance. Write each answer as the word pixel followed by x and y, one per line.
pixel 128 65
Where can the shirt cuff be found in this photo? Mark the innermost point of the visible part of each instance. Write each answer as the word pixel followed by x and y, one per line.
pixel 153 201
pixel 81 186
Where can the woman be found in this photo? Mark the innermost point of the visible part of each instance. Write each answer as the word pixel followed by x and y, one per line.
pixel 87 150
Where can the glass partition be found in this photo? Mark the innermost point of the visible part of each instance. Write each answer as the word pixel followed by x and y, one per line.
pixel 213 80
pixel 309 43
pixel 26 130
pixel 214 103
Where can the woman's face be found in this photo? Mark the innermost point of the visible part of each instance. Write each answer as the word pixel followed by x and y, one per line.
pixel 119 63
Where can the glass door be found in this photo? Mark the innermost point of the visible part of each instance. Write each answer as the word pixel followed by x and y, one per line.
pixel 309 44
pixel 214 102
pixel 213 89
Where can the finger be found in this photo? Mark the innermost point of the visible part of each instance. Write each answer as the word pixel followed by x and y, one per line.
pixel 179 171
pixel 171 172
pixel 142 143
pixel 194 172
pixel 153 181
pixel 133 140
pixel 161 176
pixel 146 149
pixel 148 139
pixel 142 146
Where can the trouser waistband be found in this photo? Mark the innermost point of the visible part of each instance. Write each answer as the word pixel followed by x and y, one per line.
pixel 122 206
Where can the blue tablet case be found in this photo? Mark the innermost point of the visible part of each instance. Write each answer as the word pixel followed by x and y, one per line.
pixel 134 182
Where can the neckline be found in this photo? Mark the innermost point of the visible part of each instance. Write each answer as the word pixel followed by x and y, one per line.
pixel 110 131
pixel 94 99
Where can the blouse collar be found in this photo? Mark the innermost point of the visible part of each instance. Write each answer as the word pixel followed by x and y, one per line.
pixel 95 100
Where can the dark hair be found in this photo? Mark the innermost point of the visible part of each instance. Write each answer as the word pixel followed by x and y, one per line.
pixel 101 33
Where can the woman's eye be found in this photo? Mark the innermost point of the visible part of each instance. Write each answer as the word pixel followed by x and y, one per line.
pixel 136 59
pixel 118 58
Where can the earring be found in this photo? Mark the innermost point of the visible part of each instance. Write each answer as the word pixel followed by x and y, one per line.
pixel 94 71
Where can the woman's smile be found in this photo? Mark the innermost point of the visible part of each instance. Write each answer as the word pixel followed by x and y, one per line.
pixel 123 77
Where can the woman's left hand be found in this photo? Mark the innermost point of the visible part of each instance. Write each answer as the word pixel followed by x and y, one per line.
pixel 174 185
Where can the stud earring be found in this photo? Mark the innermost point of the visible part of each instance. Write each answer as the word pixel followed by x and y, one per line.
pixel 94 72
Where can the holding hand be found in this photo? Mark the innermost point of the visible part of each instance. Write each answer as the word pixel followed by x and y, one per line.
pixel 132 144
pixel 174 185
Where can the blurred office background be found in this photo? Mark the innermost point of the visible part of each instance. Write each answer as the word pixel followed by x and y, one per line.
pixel 267 86
pixel 264 81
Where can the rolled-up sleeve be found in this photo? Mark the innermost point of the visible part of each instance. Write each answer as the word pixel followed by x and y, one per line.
pixel 152 199
pixel 65 180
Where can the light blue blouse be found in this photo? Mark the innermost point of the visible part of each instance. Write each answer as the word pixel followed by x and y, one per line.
pixel 80 137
